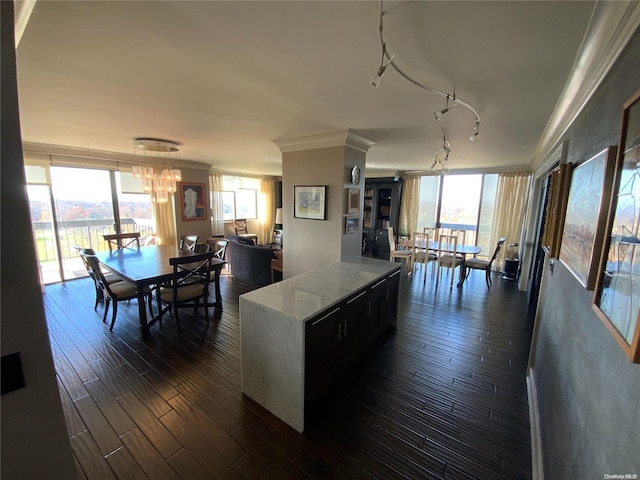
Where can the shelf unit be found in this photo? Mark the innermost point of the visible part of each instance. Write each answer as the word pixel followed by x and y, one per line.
pixel 381 211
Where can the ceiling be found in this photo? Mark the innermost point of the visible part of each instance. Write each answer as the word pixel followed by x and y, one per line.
pixel 226 79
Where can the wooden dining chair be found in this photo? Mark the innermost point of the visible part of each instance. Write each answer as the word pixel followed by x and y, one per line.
pixel 188 242
pixel 120 241
pixel 481 264
pixel 448 256
pixel 219 247
pixel 421 253
pixel 404 255
pixel 432 232
pixel 189 285
pixel 240 227
pixel 115 292
pixel 461 234
pixel 109 277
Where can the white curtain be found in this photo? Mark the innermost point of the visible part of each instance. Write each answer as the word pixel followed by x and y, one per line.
pixel 165 223
pixel 217 212
pixel 409 205
pixel 508 216
pixel 266 209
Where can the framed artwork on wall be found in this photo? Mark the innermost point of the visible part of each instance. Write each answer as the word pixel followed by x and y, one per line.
pixel 556 208
pixel 353 200
pixel 192 201
pixel 351 224
pixel 310 201
pixel 586 216
pixel 616 298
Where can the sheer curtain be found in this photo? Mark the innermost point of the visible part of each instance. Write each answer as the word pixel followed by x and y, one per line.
pixel 508 217
pixel 165 223
pixel 266 209
pixel 217 212
pixel 409 205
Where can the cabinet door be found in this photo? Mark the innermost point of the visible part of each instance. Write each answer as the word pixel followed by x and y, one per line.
pixel 321 334
pixel 370 324
pixel 348 346
pixel 389 300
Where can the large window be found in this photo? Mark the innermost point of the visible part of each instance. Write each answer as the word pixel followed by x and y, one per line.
pixel 461 202
pixel 240 198
pixel 74 207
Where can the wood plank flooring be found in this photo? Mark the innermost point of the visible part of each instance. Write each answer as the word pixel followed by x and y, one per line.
pixel 443 396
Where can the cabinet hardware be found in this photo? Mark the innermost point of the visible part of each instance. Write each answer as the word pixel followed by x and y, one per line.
pixel 394 273
pixel 339 331
pixel 344 334
pixel 379 283
pixel 355 298
pixel 327 315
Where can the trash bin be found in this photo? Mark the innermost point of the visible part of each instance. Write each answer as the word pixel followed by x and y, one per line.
pixel 511 264
pixel 510 271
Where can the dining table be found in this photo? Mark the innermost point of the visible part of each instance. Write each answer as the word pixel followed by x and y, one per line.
pixel 147 266
pixel 461 249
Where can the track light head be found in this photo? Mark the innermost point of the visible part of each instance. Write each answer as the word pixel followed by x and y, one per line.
pixel 441 113
pixel 476 131
pixel 377 78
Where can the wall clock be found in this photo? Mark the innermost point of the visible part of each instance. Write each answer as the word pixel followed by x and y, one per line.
pixel 355 175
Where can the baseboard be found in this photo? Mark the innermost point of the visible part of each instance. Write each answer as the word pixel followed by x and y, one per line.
pixel 537 472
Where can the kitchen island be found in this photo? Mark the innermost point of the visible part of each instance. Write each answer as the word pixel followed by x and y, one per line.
pixel 299 335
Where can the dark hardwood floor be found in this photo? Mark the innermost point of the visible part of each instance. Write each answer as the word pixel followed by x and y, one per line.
pixel 443 396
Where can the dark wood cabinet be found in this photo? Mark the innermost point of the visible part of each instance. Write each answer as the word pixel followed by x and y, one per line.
pixel 336 338
pixel 381 210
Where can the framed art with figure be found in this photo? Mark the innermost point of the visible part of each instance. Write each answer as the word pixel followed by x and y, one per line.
pixel 192 201
pixel 616 298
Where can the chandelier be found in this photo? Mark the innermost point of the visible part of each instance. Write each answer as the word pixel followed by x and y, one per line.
pixel 159 180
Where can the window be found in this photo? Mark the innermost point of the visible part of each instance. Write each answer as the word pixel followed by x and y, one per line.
pixel 73 207
pixel 462 202
pixel 240 198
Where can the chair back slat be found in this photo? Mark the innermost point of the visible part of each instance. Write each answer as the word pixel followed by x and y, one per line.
pixel 432 232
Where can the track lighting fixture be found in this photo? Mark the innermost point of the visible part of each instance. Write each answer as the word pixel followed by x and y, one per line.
pixel 375 81
pixel 377 78
pixel 442 112
pixel 476 131
pixel 442 157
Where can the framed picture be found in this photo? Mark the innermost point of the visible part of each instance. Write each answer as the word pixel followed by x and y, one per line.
pixel 353 200
pixel 557 195
pixel 351 224
pixel 310 201
pixel 192 201
pixel 586 216
pixel 616 299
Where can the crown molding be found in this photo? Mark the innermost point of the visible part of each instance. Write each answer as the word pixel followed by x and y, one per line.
pixel 611 26
pixel 105 156
pixel 323 140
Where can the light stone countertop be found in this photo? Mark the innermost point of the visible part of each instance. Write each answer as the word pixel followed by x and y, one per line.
pixel 304 295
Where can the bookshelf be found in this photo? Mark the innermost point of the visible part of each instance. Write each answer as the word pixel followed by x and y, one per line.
pixel 381 211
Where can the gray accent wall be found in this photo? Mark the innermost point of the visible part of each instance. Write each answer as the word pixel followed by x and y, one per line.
pixel 588 391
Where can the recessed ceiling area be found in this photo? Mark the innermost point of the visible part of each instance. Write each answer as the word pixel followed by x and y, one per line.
pixel 225 79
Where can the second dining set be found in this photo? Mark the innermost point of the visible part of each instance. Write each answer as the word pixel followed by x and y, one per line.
pixel 445 249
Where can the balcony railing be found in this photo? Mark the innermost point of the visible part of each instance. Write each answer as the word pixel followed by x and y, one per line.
pixel 83 233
